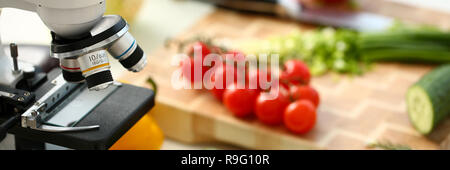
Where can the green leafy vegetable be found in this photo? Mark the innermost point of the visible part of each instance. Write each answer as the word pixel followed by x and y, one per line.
pixel 153 84
pixel 388 146
pixel 322 49
pixel 347 51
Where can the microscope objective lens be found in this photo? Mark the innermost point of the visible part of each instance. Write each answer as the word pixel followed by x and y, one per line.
pixel 95 68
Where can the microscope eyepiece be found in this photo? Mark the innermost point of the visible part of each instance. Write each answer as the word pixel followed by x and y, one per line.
pixel 87 58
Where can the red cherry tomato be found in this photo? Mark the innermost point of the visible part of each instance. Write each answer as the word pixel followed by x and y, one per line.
pixel 305 93
pixel 300 116
pixel 240 101
pixel 322 3
pixel 188 63
pixel 236 59
pixel 283 80
pixel 271 111
pixel 335 1
pixel 217 93
pixel 202 46
pixel 253 76
pixel 188 68
pixel 222 73
pixel 296 72
pixel 235 55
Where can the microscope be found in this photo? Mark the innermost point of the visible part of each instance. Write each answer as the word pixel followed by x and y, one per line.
pixel 76 103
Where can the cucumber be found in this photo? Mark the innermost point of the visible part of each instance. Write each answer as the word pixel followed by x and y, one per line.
pixel 407 55
pixel 428 100
pixel 427 46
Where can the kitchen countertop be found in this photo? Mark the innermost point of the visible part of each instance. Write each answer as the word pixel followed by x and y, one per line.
pixel 157 21
pixel 166 24
pixel 193 11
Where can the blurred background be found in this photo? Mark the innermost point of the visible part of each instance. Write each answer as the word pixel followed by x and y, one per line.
pixel 153 22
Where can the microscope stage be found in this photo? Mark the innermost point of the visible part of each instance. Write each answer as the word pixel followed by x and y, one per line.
pixel 115 115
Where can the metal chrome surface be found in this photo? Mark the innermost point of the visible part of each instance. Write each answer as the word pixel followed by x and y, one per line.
pixel 102 86
pixel 90 62
pixel 8 78
pixel 62 107
pixel 70 64
pixel 6 94
pixel 101 45
pixel 47 128
pixel 78 106
pixel 123 47
pixel 140 65
pixel 35 114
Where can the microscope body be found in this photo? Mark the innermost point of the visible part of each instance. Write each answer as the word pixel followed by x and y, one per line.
pixel 58 102
pixel 67 18
pixel 82 37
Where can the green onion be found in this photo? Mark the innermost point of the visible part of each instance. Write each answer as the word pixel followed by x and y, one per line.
pixel 347 51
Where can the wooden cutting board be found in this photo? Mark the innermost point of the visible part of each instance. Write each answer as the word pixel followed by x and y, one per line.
pixel 354 110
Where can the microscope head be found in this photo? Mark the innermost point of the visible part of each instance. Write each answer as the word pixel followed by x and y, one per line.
pixel 70 18
pixel 83 37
